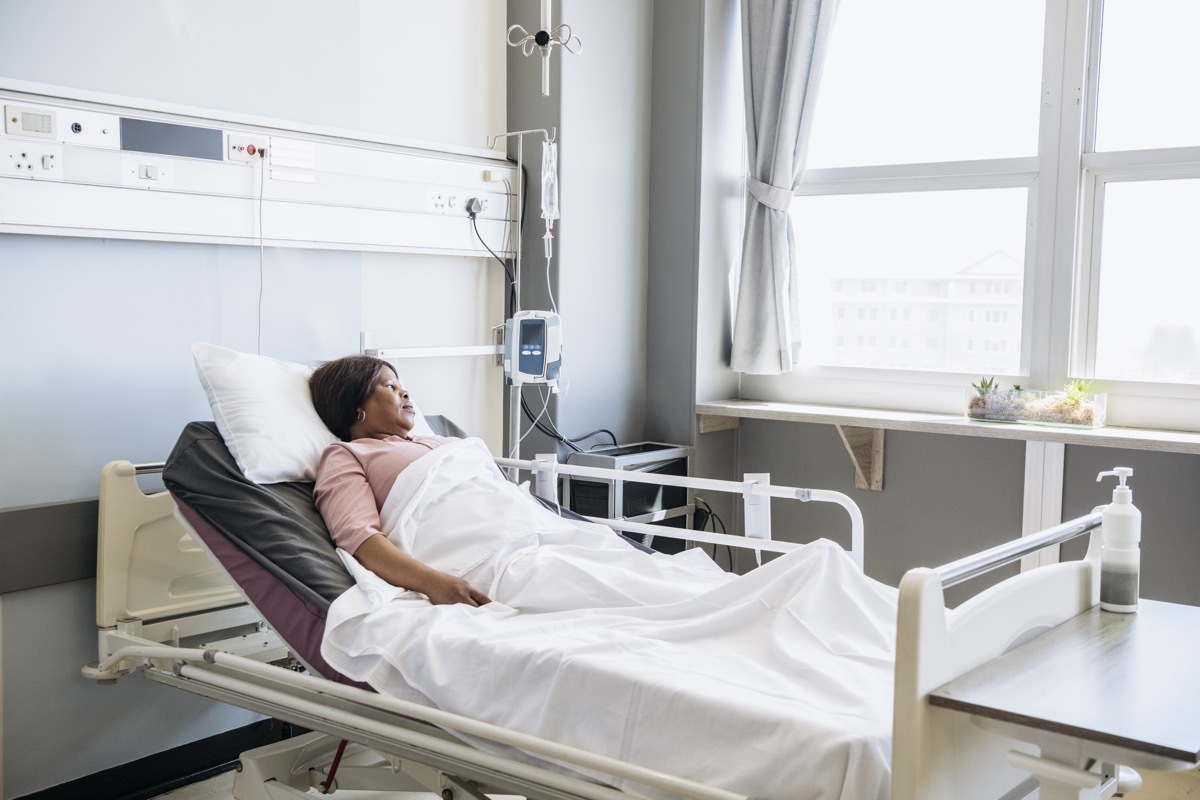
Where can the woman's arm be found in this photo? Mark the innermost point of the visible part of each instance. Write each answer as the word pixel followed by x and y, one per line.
pixel 400 569
pixel 347 503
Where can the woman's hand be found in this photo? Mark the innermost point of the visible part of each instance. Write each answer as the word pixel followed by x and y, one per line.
pixel 400 569
pixel 446 589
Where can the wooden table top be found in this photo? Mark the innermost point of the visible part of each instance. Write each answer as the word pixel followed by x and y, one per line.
pixel 1131 680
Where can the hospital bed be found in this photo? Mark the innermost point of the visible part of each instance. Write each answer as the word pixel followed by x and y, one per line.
pixel 220 586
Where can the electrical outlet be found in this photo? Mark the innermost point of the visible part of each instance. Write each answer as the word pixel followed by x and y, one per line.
pixel 31 160
pixel 246 147
pixel 444 201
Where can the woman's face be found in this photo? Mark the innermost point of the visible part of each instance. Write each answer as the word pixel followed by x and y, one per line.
pixel 388 410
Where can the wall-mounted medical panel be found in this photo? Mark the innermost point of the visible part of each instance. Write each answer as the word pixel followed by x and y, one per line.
pixel 73 168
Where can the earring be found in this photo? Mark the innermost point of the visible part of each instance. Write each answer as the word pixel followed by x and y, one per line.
pixel 362 415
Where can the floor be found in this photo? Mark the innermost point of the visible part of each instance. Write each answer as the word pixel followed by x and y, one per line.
pixel 1158 786
pixel 221 788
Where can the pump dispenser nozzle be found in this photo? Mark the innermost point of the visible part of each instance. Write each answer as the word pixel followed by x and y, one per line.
pixel 1122 494
pixel 1121 472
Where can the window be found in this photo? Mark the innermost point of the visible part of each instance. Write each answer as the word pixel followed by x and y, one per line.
pixel 943 191
pixel 1141 184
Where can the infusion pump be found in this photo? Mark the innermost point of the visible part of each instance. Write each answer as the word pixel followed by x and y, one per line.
pixel 532 348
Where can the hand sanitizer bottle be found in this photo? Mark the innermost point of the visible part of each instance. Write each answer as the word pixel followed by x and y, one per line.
pixel 1120 560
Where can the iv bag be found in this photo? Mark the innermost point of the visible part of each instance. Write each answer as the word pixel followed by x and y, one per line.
pixel 549 180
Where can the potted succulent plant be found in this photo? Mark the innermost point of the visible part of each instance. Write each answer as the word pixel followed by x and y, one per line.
pixel 1074 405
pixel 977 402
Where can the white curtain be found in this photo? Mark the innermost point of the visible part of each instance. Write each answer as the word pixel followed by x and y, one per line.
pixel 783 44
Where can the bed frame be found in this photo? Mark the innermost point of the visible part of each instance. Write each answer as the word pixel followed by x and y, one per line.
pixel 166 607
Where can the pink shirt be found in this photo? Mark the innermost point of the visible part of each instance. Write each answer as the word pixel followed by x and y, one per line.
pixel 355 478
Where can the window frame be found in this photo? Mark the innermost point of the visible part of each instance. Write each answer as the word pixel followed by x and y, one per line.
pixel 1065 183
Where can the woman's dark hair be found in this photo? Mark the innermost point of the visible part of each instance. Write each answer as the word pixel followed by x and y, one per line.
pixel 340 387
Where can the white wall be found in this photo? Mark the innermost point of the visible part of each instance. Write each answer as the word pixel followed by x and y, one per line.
pixel 410 305
pixel 419 60
pixel 94 332
pixel 272 58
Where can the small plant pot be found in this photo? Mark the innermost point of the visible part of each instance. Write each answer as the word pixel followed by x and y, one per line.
pixel 1037 408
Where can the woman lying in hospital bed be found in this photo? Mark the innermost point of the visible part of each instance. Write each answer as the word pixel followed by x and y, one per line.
pixel 472 596
pixel 489 539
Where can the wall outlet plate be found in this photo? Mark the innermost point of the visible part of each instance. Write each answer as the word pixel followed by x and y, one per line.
pixel 31 159
pixel 89 128
pixel 442 200
pixel 246 147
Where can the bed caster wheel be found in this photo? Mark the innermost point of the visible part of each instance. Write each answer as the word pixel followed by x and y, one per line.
pixel 1128 781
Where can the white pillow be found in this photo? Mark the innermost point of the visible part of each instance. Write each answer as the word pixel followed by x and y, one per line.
pixel 263 409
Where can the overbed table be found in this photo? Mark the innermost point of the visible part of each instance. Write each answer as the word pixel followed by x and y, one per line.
pixel 1115 688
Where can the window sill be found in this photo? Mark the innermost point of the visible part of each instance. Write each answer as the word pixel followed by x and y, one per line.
pixel 723 414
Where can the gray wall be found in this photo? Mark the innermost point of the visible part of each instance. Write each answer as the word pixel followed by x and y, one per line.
pixel 599 104
pixel 604 165
pixel 1165 489
pixel 677 139
pixel 695 208
pixel 945 497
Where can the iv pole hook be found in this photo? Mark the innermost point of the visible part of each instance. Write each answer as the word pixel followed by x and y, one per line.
pixel 548 136
pixel 544 40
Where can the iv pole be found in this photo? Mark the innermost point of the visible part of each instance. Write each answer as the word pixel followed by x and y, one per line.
pixel 514 392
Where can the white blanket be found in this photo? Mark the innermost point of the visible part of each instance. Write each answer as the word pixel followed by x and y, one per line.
pixel 776 684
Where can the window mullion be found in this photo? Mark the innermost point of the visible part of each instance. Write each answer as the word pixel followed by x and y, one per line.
pixel 1055 203
pixel 981 174
pixel 1087 287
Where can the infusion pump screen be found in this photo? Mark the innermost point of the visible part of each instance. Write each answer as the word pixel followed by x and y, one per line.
pixel 533 341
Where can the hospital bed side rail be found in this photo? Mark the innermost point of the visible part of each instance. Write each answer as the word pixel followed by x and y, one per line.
pixel 545 469
pixel 942 755
pixel 978 563
pixel 379 721
pixel 752 491
pixel 151 468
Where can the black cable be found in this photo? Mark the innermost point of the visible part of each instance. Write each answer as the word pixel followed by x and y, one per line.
pixel 547 428
pixel 713 517
pixel 512 282
pixel 597 432
pixel 728 548
pixel 550 430
pixel 524 199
